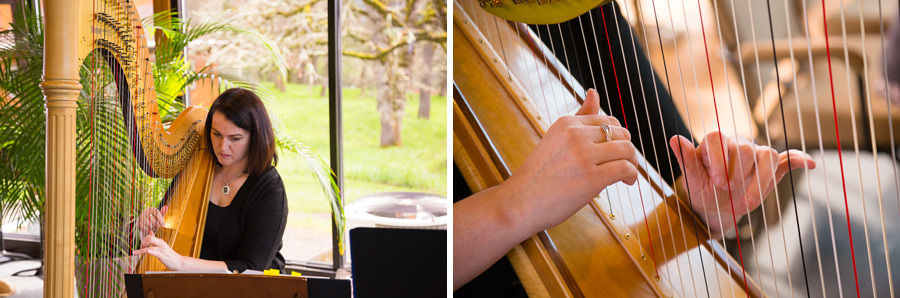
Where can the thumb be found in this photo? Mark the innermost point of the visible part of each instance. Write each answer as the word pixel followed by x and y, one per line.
pixel 686 155
pixel 591 105
pixel 164 209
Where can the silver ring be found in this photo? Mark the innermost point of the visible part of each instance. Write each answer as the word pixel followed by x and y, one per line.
pixel 606 131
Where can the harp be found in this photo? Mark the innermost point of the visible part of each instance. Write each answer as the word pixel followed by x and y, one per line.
pixel 103 43
pixel 644 240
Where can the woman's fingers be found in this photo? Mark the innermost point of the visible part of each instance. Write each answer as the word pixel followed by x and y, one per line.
pixel 159 215
pixel 604 152
pixel 591 105
pixel 151 241
pixel 686 155
pixel 793 159
pixel 715 158
pixel 619 170
pixel 764 180
pixel 153 251
pixel 594 120
pixel 746 162
pixel 598 135
pixel 156 218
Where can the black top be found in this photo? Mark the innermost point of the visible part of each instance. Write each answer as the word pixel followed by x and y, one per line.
pixel 247 234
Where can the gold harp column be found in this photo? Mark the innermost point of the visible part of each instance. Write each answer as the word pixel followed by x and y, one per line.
pixel 60 87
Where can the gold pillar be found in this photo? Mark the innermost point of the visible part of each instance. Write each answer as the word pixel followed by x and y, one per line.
pixel 60 89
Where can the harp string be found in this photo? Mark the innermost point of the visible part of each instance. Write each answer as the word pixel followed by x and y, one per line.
pixel 108 249
pixel 856 149
pixel 625 122
pixel 90 168
pixel 656 156
pixel 889 101
pixel 608 108
pixel 735 126
pixel 550 118
pixel 502 49
pixel 638 127
pixel 803 144
pixel 594 80
pixel 137 206
pixel 562 90
pixel 673 111
pixel 722 148
pixel 143 260
pixel 690 123
pixel 539 83
pixel 108 185
pixel 95 197
pixel 628 198
pixel 703 126
pixel 840 157
pixel 568 66
pixel 891 129
pixel 787 145
pixel 875 158
pixel 654 147
pixel 769 143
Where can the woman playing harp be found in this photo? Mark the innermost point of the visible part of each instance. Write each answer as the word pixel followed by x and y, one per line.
pixel 247 210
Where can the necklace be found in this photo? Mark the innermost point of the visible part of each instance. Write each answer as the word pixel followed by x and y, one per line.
pixel 226 189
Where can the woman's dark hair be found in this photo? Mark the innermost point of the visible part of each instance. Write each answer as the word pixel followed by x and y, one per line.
pixel 243 108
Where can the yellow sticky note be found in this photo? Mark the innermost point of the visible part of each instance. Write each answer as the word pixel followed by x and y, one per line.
pixel 295 273
pixel 272 272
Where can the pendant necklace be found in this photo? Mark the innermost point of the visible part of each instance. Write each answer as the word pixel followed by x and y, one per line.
pixel 226 189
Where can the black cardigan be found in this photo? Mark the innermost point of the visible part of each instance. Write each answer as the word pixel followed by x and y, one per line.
pixel 247 234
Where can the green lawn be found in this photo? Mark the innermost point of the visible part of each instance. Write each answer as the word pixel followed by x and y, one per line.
pixel 420 164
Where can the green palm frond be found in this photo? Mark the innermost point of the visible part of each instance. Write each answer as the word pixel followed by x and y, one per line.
pixel 22 115
pixel 323 174
pixel 173 73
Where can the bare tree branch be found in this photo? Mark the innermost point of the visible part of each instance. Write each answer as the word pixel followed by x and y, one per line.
pixel 440 38
pixel 383 10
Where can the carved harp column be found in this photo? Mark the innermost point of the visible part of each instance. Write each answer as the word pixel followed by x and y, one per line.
pixel 109 33
pixel 61 89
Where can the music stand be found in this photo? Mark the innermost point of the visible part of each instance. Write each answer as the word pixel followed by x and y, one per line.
pixel 158 285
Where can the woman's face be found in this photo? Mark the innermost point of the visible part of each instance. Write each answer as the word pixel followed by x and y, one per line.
pixel 230 142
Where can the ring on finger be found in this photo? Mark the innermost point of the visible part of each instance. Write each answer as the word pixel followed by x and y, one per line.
pixel 606 131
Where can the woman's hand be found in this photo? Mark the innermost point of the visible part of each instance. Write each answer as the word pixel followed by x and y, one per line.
pixel 151 219
pixel 571 165
pixel 160 249
pixel 751 173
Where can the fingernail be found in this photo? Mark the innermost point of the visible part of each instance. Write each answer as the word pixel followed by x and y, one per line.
pixel 720 181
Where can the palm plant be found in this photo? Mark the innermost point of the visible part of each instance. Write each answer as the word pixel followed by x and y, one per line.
pixel 22 122
pixel 22 126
